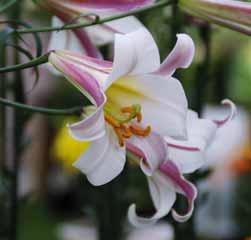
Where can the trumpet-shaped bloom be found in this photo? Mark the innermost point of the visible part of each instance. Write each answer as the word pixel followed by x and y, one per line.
pixel 84 40
pixel 139 107
pixel 229 13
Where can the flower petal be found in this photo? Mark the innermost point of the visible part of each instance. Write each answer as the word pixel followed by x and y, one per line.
pixel 103 160
pixel 231 115
pixel 89 129
pixel 163 195
pixel 188 154
pixel 152 149
pixel 105 33
pixel 180 57
pixel 171 171
pixel 79 77
pixel 101 5
pixel 157 96
pixel 64 39
pixel 129 57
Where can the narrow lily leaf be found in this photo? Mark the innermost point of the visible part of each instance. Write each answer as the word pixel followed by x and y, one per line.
pixel 30 57
pixel 5 4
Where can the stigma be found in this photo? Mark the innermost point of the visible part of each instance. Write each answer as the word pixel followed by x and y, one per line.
pixel 126 123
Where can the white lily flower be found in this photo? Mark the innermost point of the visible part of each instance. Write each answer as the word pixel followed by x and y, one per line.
pixel 141 108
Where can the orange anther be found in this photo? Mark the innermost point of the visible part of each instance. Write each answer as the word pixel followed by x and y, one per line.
pixel 139 117
pixel 120 137
pixel 111 121
pixel 126 109
pixel 126 131
pixel 139 131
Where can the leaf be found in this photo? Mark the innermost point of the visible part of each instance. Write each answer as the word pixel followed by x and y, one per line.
pixel 30 57
pixel 5 4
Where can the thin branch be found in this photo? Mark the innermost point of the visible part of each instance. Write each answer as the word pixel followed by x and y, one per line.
pixel 99 21
pixel 46 111
pixel 35 62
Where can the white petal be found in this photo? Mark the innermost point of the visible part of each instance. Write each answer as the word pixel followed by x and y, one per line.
pixel 230 138
pixel 105 33
pixel 163 101
pixel 89 129
pixel 154 150
pixel 103 160
pixel 171 172
pixel 189 155
pixel 130 59
pixel 64 39
pixel 163 196
pixel 180 57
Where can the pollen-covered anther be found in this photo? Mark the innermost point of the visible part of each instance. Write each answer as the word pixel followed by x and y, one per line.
pixel 110 120
pixel 143 132
pixel 125 125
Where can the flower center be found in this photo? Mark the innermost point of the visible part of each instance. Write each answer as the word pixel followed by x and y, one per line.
pixel 126 122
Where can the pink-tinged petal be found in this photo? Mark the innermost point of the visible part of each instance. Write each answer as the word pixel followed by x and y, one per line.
pixel 105 33
pixel 129 59
pixel 231 114
pixel 152 150
pixel 115 5
pixel 83 80
pixel 90 49
pixel 171 171
pixel 64 39
pixel 235 15
pixel 180 57
pixel 188 154
pixel 89 129
pixel 163 196
pixel 103 160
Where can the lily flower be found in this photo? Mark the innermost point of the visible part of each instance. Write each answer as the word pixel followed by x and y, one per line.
pixel 233 14
pixel 84 40
pixel 138 107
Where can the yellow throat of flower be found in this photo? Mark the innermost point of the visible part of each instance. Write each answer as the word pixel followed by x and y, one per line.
pixel 126 122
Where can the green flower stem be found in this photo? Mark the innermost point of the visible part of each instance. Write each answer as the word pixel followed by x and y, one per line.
pixel 46 111
pixel 35 62
pixel 99 21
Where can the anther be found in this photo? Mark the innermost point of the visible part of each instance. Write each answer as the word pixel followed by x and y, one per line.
pixel 139 131
pixel 139 117
pixel 120 137
pixel 111 121
pixel 126 131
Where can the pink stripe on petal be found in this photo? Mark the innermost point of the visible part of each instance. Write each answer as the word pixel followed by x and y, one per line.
pixel 120 5
pixel 171 171
pixel 84 81
pixel 231 114
pixel 89 129
pixel 185 148
pixel 90 48
pixel 180 57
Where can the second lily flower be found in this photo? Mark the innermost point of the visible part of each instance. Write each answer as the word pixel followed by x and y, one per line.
pixel 139 107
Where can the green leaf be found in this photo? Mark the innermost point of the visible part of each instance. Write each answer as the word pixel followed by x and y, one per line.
pixel 4 4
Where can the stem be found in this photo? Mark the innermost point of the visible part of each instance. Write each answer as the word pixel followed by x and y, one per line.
pixel 203 72
pixel 104 20
pixel 35 62
pixel 47 111
pixel 2 110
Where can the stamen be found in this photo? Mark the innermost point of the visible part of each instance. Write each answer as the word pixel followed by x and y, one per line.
pixel 126 131
pixel 111 121
pixel 139 131
pixel 123 123
pixel 120 137
pixel 139 117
